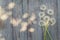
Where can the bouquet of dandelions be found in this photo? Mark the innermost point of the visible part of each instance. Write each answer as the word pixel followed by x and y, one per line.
pixel 46 20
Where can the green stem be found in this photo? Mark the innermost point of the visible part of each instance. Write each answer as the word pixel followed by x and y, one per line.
pixel 46 27
pixel 49 34
pixel 46 30
pixel 45 35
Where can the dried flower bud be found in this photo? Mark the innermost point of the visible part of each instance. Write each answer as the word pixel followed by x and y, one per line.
pixel 15 22
pixel 3 17
pixel 23 29
pixel 31 30
pixel 24 24
pixel 25 15
pixel 33 17
pixel 11 5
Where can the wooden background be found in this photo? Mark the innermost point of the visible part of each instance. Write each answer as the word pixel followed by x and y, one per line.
pixel 22 6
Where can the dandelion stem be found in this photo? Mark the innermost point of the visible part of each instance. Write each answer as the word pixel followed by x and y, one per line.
pixel 49 34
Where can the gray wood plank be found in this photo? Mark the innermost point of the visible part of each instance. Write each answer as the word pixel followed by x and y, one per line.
pixel 18 11
pixel 23 6
pixel 58 18
pixel 34 7
pixel 7 30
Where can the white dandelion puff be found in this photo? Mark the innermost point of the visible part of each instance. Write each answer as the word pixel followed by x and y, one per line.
pixel 52 21
pixel 41 14
pixel 25 15
pixel 31 30
pixel 11 5
pixel 46 18
pixel 42 23
pixel 43 7
pixel 50 11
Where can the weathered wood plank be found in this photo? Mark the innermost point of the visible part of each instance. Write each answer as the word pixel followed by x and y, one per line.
pixel 18 11
pixel 58 18
pixel 7 30
pixel 29 6
pixel 34 7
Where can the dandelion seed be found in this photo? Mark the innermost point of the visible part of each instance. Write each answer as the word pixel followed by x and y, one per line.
pixel 50 11
pixel 43 7
pixel 11 5
pixel 42 23
pixel 41 14
pixel 31 30
pixel 26 15
pixel 52 21
pixel 46 18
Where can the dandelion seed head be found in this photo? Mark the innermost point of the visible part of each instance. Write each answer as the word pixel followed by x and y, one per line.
pixel 52 21
pixel 42 23
pixel 41 14
pixel 46 18
pixel 50 11
pixel 43 7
